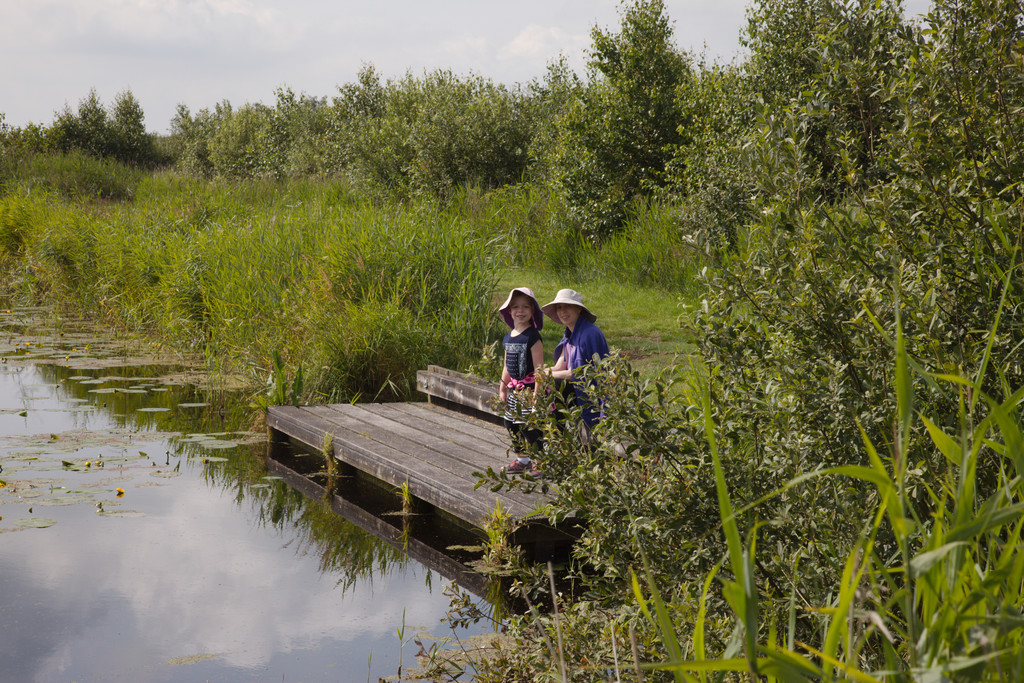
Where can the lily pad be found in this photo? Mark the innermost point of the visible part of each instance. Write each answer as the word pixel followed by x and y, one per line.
pixel 217 445
pixel 104 390
pixel 120 513
pixel 35 522
pixel 193 405
pixel 154 410
pixel 65 499
pixel 191 659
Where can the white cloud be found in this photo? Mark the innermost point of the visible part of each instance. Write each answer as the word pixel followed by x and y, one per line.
pixel 539 44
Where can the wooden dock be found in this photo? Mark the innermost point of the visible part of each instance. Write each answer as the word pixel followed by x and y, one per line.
pixel 433 447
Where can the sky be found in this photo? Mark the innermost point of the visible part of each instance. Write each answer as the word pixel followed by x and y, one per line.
pixel 201 52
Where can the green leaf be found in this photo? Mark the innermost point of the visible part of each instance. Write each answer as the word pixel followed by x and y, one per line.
pixel 35 522
pixel 920 564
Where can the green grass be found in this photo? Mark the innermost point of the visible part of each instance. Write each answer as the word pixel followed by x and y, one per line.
pixel 648 325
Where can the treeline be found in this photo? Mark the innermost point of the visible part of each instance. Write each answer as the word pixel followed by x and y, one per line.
pixel 117 132
pixel 622 133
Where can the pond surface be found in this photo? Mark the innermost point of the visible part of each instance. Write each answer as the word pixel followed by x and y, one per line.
pixel 141 538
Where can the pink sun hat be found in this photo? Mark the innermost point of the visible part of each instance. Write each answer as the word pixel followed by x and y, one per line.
pixel 506 315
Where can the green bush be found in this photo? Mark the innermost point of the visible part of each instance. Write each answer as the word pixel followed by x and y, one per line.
pixel 119 134
pixel 437 133
pixel 617 137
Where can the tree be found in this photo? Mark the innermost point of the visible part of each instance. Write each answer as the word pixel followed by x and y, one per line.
pixel 618 136
pixel 118 134
pixel 129 141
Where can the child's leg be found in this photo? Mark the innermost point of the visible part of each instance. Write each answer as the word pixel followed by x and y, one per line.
pixel 516 428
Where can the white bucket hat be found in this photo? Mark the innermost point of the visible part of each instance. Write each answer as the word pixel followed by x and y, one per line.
pixel 568 296
pixel 506 315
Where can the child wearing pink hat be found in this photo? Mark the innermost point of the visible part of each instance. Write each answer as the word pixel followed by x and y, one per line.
pixel 524 353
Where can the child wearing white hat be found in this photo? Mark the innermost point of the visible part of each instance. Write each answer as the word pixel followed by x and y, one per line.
pixel 582 342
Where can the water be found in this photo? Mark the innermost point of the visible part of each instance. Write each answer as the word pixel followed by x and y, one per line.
pixel 142 539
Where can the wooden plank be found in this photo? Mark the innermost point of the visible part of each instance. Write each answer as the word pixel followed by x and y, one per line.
pixel 489 441
pixel 471 451
pixel 374 452
pixel 428 447
pixel 466 390
pixel 448 419
pixel 413 446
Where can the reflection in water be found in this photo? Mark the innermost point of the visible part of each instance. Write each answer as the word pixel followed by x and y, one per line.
pixel 206 568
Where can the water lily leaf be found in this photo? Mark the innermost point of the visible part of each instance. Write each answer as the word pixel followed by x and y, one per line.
pixel 217 445
pixel 105 390
pixel 191 659
pixel 214 458
pixel 192 405
pixel 120 513
pixel 35 522
pixel 153 410
pixel 64 499
pixel 166 474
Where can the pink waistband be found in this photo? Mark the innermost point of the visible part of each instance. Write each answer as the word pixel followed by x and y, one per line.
pixel 521 383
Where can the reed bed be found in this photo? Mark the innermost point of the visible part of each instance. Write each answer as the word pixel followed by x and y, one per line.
pixel 357 295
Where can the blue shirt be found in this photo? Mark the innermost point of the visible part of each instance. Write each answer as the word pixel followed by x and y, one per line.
pixel 580 346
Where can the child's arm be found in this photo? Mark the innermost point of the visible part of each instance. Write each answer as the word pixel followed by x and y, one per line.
pixel 538 356
pixel 505 379
pixel 561 369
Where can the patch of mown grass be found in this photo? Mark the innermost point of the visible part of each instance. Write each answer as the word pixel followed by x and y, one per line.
pixel 648 325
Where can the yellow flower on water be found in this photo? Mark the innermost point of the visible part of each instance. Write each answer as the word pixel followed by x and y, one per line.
pixel 120 492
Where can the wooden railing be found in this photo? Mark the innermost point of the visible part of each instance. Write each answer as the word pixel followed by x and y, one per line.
pixel 453 389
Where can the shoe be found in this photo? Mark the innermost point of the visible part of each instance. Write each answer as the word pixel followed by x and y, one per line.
pixel 535 472
pixel 516 467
